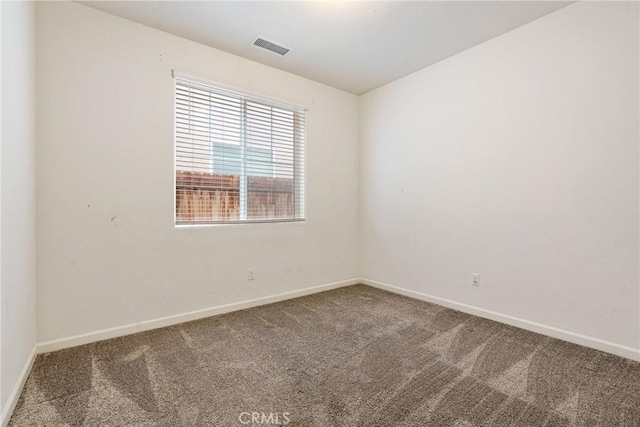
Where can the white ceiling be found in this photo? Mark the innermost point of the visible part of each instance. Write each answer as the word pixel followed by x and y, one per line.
pixel 355 46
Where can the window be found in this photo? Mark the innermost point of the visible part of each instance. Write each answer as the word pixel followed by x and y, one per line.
pixel 238 158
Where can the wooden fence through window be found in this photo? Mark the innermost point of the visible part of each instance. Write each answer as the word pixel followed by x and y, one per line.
pixel 215 197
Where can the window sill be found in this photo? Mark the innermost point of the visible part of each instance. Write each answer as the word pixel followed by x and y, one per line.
pixel 236 223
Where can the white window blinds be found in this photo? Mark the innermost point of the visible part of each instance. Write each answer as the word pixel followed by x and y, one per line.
pixel 238 158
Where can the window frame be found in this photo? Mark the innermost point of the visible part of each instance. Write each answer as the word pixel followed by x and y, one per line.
pixel 300 149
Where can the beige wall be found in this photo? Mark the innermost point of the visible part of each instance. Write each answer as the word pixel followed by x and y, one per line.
pixel 18 196
pixel 516 159
pixel 108 252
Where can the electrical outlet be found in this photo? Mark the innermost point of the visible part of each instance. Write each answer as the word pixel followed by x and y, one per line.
pixel 475 279
pixel 251 274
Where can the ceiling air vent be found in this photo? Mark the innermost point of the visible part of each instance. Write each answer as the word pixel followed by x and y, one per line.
pixel 265 44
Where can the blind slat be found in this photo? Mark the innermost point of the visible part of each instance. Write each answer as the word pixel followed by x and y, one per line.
pixel 237 158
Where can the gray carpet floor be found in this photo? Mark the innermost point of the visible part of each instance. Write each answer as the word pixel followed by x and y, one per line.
pixel 354 356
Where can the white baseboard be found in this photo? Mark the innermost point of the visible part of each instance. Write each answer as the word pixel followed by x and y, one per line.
pixel 5 415
pixel 584 340
pixel 118 331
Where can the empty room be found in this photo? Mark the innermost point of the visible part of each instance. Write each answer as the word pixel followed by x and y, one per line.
pixel 320 213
